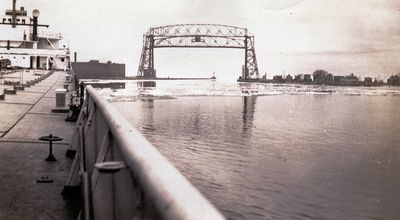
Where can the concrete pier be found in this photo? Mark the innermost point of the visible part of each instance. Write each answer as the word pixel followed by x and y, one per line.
pixel 24 117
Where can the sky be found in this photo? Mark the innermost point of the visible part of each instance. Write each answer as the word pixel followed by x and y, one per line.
pixel 291 36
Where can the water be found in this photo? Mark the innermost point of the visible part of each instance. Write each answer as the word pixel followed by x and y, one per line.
pixel 291 152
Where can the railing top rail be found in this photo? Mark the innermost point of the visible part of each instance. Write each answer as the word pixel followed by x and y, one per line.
pixel 172 194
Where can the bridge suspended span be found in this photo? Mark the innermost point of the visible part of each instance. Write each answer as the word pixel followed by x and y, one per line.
pixel 197 36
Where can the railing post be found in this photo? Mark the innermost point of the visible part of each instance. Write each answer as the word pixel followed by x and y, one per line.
pixel 87 198
pixel 81 94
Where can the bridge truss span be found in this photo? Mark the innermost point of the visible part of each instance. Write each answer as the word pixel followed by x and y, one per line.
pixel 197 36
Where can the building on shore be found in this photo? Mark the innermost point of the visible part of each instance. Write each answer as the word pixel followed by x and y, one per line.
pixel 322 77
pixel 338 79
pixel 351 80
pixel 307 78
pixel 378 82
pixel 298 78
pixel 96 70
pixel 394 80
pixel 288 79
pixel 319 76
pixel 368 81
pixel 329 79
pixel 277 79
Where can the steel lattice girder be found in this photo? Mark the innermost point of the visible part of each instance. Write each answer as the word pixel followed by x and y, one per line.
pixel 197 36
pixel 197 29
pixel 202 41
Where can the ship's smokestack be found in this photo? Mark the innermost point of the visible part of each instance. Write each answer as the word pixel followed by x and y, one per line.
pixel 14 13
pixel 35 14
pixel 74 57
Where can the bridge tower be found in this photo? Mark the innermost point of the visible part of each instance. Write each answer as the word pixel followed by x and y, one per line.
pixel 197 36
pixel 146 68
pixel 250 69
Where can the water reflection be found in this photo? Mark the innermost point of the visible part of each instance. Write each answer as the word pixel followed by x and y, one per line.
pixel 249 105
pixel 146 84
pixel 148 115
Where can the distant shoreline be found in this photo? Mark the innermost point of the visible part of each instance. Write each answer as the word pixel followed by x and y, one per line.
pixel 351 84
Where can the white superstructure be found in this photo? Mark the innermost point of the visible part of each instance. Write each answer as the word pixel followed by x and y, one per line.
pixel 27 47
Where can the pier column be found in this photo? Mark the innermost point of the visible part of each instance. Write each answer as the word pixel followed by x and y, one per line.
pixel 37 62
pixel 245 69
pixel 31 61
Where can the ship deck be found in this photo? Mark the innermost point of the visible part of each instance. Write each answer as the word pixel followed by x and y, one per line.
pixel 24 118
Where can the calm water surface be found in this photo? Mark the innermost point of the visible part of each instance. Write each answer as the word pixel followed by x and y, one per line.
pixel 277 151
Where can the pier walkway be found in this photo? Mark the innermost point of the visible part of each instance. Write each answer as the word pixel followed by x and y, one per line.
pixel 24 118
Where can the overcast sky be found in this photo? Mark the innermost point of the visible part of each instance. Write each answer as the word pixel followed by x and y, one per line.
pixel 291 36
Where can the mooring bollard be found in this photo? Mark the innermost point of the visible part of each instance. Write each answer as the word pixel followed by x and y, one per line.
pixel 50 139
pixel 110 166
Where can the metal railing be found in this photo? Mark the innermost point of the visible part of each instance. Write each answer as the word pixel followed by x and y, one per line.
pixel 51 35
pixel 123 176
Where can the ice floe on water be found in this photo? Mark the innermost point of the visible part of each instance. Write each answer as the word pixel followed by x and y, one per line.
pixel 144 90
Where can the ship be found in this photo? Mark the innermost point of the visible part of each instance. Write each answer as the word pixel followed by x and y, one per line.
pixel 27 46
pixel 99 167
